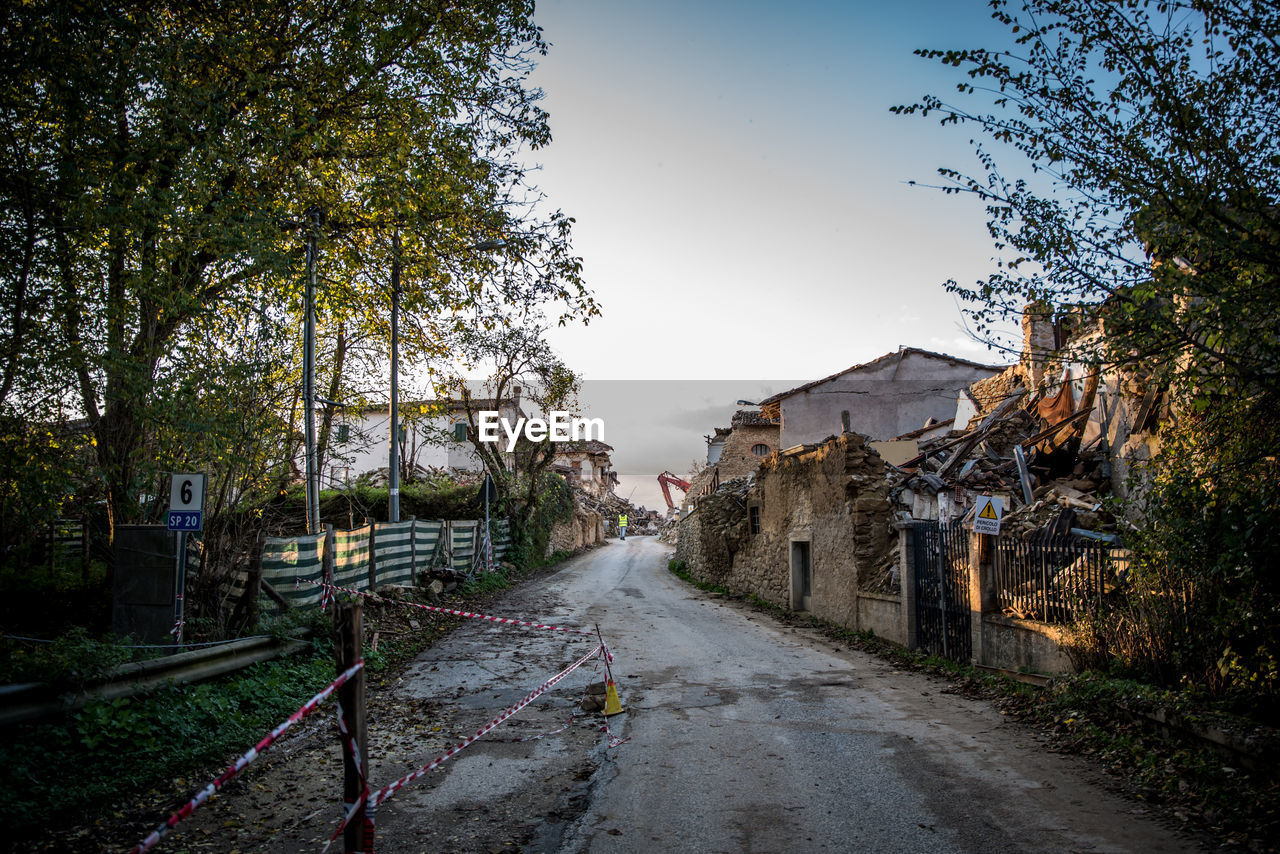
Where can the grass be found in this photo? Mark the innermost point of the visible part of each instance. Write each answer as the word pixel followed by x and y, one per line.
pixel 79 768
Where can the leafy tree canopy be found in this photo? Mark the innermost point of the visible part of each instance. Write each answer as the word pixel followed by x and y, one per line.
pixel 157 160
pixel 1145 132
pixel 1149 201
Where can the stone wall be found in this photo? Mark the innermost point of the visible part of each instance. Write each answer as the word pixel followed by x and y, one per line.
pixel 736 458
pixel 1023 645
pixel 584 530
pixel 833 497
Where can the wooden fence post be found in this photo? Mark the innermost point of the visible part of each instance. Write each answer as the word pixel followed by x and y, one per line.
pixel 413 551
pixel 349 628
pixel 327 557
pixel 245 614
pixel 373 554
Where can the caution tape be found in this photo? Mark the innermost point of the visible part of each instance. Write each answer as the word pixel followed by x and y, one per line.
pixel 382 795
pixel 237 766
pixel 468 614
pixel 387 791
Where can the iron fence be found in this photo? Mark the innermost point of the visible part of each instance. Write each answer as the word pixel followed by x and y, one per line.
pixel 941 554
pixel 1055 580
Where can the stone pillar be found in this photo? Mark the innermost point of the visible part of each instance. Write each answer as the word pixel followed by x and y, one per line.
pixel 906 560
pixel 982 587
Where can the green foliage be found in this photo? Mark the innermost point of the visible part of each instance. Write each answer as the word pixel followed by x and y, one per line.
pixel 69 663
pixel 486 582
pixel 1154 168
pixel 552 502
pixel 160 161
pixel 39 472
pixel 1152 205
pixel 339 507
pixel 131 743
pixel 1197 609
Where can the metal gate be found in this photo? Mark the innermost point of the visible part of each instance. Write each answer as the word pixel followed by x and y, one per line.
pixel 941 554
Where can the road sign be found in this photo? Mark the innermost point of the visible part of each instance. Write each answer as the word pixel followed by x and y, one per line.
pixel 988 512
pixel 186 502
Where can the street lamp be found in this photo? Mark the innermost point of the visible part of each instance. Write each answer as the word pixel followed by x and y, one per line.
pixel 309 377
pixel 393 452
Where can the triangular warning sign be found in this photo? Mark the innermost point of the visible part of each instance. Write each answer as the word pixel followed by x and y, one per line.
pixel 988 512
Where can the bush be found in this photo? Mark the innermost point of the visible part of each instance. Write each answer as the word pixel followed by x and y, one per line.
pixel 1196 611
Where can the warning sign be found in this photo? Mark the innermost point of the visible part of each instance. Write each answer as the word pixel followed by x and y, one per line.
pixel 986 518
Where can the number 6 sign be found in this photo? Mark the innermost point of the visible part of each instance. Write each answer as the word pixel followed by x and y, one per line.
pixel 186 502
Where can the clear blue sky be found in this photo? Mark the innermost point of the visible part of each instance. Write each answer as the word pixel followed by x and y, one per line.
pixel 741 195
pixel 740 185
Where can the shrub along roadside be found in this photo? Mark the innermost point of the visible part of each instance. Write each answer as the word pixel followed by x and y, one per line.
pixel 1201 787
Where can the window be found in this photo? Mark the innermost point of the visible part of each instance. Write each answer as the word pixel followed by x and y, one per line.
pixel 760 450
pixel 344 433
pixel 460 431
pixel 754 515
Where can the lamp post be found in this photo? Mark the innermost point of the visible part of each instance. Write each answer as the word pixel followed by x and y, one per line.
pixel 309 376
pixel 393 451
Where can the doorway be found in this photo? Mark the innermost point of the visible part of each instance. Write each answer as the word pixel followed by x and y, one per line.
pixel 801 580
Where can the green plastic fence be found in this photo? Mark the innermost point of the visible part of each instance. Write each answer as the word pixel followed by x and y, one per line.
pixel 288 562
pixel 393 552
pixel 400 551
pixel 351 558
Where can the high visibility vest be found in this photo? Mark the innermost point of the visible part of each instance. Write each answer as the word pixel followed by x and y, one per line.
pixel 622 521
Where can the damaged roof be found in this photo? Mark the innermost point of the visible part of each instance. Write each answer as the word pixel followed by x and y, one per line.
pixel 901 353
pixel 751 418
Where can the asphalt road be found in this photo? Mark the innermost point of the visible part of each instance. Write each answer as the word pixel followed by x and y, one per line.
pixel 745 736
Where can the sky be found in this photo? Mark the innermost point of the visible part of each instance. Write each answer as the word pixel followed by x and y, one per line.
pixel 743 205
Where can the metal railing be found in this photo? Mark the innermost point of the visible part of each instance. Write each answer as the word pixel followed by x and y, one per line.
pixel 941 556
pixel 1057 579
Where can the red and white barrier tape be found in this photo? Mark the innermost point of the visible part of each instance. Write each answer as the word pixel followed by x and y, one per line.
pixel 382 795
pixel 387 791
pixel 237 766
pixel 503 620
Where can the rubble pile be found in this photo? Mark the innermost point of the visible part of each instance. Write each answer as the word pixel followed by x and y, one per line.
pixel 1040 469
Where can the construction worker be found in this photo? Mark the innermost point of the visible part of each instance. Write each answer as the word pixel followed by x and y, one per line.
pixel 622 525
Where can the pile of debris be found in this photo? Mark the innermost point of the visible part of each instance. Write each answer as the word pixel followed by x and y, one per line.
pixel 1039 467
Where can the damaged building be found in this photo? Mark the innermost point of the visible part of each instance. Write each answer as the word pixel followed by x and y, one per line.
pixel 875 532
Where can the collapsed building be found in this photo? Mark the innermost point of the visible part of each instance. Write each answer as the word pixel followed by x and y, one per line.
pixel 876 534
pixel 588 469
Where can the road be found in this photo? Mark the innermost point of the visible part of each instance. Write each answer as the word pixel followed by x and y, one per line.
pixel 745 736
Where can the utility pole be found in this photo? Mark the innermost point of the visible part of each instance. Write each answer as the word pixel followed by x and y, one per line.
pixel 309 375
pixel 393 454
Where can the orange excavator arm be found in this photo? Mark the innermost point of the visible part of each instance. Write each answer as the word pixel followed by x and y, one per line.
pixel 666 480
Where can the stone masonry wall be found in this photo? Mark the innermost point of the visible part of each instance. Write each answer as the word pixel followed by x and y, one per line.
pixel 832 496
pixel 737 458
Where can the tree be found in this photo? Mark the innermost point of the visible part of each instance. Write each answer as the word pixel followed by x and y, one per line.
pixel 156 160
pixel 518 356
pixel 1148 128
pixel 1150 203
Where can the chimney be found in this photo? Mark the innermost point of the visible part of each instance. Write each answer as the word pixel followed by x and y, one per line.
pixel 1037 341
